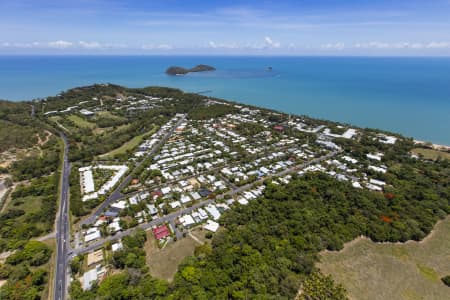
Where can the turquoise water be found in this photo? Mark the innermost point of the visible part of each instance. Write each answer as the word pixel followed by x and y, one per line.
pixel 406 95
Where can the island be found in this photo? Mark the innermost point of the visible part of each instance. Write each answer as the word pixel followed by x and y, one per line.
pixel 176 70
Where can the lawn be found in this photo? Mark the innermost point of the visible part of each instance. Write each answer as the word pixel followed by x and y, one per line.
pixel 130 145
pixel 411 270
pixel 431 153
pixel 80 122
pixel 109 115
pixel 163 263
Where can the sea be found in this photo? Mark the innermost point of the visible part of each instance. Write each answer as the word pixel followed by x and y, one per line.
pixel 408 95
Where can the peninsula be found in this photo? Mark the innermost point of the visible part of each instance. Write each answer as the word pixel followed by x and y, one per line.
pixel 162 193
pixel 176 70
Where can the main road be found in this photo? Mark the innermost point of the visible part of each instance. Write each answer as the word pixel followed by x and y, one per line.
pixel 62 229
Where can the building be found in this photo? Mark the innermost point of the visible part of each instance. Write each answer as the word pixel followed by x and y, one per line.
pixel 95 257
pixel 211 226
pixel 161 232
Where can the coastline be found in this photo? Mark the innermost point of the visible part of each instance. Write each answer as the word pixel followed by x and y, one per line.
pixel 322 88
pixel 438 147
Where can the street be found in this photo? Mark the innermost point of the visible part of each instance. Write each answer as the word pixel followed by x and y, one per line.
pixel 62 229
pixel 116 194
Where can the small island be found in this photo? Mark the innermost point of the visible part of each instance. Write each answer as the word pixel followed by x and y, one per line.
pixel 176 70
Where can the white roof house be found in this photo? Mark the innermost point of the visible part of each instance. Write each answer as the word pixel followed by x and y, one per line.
pixel 120 204
pixel 152 209
pixel 185 199
pixel 114 226
pixel 211 226
pixel 377 182
pixel 89 278
pixel 203 214
pixel 187 220
pixel 196 195
pixel 212 210
pixel 166 190
pixel 117 246
pixel 92 235
pixel 374 156
pixel 356 184
pixel 175 204
pixel 377 169
pixel 242 201
pixel 374 187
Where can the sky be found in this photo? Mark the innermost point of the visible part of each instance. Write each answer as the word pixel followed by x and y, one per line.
pixel 226 27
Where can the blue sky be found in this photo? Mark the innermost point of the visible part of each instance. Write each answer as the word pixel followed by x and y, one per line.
pixel 301 27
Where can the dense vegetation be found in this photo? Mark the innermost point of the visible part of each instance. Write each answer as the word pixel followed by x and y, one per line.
pixel 446 280
pixel 176 70
pixel 211 111
pixel 38 164
pixel 25 272
pixel 17 128
pixel 31 213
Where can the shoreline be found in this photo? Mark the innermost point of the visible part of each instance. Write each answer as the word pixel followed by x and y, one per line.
pixel 438 147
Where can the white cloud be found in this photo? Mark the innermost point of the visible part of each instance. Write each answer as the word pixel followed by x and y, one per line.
pixel 20 45
pixel 271 43
pixel 90 45
pixel 157 47
pixel 438 45
pixel 336 46
pixel 60 44
pixel 212 44
pixel 403 45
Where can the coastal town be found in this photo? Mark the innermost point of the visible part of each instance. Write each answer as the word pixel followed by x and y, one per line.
pixel 151 181
pixel 184 176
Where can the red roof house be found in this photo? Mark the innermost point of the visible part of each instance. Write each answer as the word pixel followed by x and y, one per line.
pixel 161 232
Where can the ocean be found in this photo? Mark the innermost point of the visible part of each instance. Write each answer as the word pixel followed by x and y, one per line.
pixel 410 96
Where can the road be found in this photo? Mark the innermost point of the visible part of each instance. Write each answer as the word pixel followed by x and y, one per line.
pixel 62 229
pixel 156 222
pixel 116 194
pixel 173 216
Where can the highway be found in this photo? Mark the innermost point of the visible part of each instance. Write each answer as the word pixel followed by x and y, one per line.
pixel 116 194
pixel 62 229
pixel 170 218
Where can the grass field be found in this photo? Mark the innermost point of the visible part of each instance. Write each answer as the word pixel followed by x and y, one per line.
pixel 80 122
pixel 130 145
pixel 50 266
pixel 163 263
pixel 109 115
pixel 411 270
pixel 431 154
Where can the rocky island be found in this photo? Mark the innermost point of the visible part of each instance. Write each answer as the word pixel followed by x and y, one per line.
pixel 176 70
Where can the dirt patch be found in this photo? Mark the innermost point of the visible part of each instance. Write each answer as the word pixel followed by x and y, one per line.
pixel 163 263
pixel 47 135
pixel 2 282
pixel 410 270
